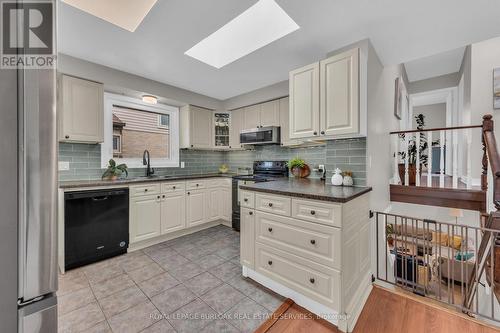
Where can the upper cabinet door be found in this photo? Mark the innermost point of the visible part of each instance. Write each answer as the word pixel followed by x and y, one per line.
pixel 236 125
pixel 270 114
pixel 339 105
pixel 304 102
pixel 252 116
pixel 81 113
pixel 201 127
pixel 285 122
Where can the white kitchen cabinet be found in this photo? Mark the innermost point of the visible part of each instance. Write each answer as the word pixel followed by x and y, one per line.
pixel 173 212
pixel 304 102
pixel 213 204
pixel 270 114
pixel 196 207
pixel 252 116
pixel 284 109
pixel 324 98
pixel 196 127
pixel 81 110
pixel 225 203
pixel 339 102
pixel 145 217
pixel 237 124
pixel 221 130
pixel 247 241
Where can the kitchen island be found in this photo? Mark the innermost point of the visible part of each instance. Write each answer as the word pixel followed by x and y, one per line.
pixel 309 241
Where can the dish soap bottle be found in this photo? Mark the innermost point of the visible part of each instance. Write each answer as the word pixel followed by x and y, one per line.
pixel 337 178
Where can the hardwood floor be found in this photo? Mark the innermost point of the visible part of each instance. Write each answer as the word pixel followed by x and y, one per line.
pixel 384 311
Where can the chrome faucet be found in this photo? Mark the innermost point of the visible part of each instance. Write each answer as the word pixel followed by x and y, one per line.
pixel 147 161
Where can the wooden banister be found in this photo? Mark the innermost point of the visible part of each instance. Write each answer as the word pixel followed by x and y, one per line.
pixel 490 154
pixel 436 129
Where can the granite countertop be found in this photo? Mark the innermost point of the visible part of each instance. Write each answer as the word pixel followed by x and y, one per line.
pixel 309 189
pixel 136 180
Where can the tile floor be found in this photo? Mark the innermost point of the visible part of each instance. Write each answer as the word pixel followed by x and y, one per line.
pixel 189 284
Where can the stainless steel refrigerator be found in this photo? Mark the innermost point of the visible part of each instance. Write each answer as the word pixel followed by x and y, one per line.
pixel 28 201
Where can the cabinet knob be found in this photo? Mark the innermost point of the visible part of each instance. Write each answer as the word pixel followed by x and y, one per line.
pixel 189 193
pixel 197 185
pixel 270 204
pixel 192 146
pixel 158 197
pixel 322 132
pixel 246 199
pixel 270 229
pixel 67 136
pixel 250 213
pixel 269 262
pixel 145 190
pixel 313 241
pixel 313 212
pixel 173 187
pixel 312 280
pixel 315 133
pixel 164 196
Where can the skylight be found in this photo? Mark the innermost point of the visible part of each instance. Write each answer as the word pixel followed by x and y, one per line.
pixel 261 24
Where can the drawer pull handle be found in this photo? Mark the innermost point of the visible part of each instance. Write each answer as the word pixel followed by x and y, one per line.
pixel 250 213
pixel 313 212
pixel 311 280
pixel 67 136
pixel 145 190
pixel 269 262
pixel 313 241
pixel 189 193
pixel 197 185
pixel 164 196
pixel 270 229
pixel 173 187
pixel 246 199
pixel 270 204
pixel 158 197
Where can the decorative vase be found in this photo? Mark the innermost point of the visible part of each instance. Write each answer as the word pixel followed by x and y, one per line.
pixel 301 172
pixel 348 181
pixel 412 173
pixel 114 177
pixel 337 178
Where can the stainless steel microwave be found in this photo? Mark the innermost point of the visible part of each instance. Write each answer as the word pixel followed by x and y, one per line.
pixel 260 136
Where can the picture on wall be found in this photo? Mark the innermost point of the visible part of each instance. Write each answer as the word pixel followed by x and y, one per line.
pixel 496 88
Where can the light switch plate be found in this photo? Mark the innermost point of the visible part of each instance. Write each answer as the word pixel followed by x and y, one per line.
pixel 183 165
pixel 63 166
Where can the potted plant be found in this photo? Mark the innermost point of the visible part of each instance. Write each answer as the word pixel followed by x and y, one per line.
pixel 299 167
pixel 412 153
pixel 114 171
pixel 389 231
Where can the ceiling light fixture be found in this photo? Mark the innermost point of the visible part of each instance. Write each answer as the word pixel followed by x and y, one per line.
pixel 150 99
pixel 258 26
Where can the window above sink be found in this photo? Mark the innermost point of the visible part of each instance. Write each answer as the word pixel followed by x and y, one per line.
pixel 132 126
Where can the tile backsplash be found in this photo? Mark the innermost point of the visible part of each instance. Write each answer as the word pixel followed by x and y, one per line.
pixel 346 154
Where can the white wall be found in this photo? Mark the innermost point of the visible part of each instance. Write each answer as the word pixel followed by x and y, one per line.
pixel 434 83
pixel 435 115
pixel 274 91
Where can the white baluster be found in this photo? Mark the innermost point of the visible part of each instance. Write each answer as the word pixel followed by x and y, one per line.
pixel 441 158
pixel 429 159
pixel 417 160
pixel 469 160
pixel 396 179
pixel 455 158
pixel 407 156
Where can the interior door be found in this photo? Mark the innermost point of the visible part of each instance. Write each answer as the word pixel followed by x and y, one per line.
pixel 304 102
pixel 339 107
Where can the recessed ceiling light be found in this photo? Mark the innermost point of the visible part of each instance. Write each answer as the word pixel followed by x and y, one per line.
pixel 126 14
pixel 150 99
pixel 261 24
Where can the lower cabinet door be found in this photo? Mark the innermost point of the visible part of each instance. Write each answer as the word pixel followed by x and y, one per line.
pixel 247 237
pixel 173 213
pixel 225 203
pixel 213 199
pixel 145 218
pixel 196 207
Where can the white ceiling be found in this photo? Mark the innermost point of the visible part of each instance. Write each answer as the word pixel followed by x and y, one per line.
pixel 436 65
pixel 400 30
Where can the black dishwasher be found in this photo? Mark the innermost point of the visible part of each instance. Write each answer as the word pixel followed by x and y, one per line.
pixel 95 225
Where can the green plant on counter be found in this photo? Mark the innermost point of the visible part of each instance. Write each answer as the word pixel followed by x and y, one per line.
pixel 114 171
pixel 296 163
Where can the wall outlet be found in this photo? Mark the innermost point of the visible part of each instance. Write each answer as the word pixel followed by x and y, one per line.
pixel 321 167
pixel 183 165
pixel 63 166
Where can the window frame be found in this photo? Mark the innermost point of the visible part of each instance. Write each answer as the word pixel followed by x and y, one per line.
pixel 119 150
pixel 111 100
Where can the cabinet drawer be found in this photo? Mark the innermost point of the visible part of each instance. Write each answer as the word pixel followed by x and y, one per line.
pixel 173 187
pixel 311 241
pixel 196 184
pixel 318 282
pixel 147 189
pixel 273 204
pixel 319 212
pixel 247 199
pixel 218 182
